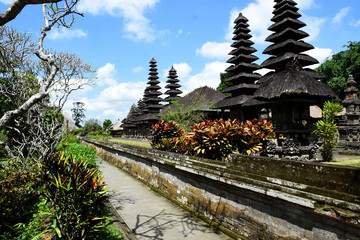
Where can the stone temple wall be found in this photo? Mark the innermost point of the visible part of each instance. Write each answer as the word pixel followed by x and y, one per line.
pixel 252 197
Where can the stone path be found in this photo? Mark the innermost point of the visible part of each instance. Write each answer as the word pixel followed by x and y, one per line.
pixel 150 216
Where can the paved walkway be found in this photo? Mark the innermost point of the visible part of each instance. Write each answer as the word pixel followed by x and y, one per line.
pixel 150 216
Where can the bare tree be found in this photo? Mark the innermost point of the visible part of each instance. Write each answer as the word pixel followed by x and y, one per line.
pixel 17 6
pixel 36 87
pixel 61 14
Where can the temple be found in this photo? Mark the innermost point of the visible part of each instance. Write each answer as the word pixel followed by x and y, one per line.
pixel 173 86
pixel 290 89
pixel 240 75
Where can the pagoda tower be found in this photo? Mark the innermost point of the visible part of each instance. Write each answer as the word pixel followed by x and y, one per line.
pixel 152 92
pixel 173 86
pixel 151 101
pixel 290 89
pixel 241 74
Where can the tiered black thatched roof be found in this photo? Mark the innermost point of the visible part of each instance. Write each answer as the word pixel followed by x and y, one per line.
pixel 290 80
pixel 152 95
pixel 241 72
pixel 173 86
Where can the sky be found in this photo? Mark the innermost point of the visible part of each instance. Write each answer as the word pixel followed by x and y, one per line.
pixel 120 37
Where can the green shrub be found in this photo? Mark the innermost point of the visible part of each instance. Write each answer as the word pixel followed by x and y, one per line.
pixel 327 129
pixel 78 131
pixel 99 134
pixel 19 194
pixel 80 151
pixel 77 196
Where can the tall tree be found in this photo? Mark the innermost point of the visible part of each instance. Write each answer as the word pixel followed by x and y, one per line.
pixel 78 113
pixel 338 68
pixel 31 76
pixel 107 124
pixel 56 66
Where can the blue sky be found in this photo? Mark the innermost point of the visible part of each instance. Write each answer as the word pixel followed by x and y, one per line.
pixel 119 38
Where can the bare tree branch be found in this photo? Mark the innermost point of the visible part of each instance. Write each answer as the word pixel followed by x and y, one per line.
pixel 29 86
pixel 17 6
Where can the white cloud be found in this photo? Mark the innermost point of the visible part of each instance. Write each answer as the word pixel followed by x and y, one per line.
pixel 138 69
pixel 210 76
pixel 341 14
pixel 259 14
pixel 105 74
pixel 112 113
pixel 355 23
pixel 215 50
pixel 130 92
pixel 321 54
pixel 313 26
pixel 137 26
pixel 66 33
pixel 305 4
pixel 182 70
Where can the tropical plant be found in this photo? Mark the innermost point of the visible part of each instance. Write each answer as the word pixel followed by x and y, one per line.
pixel 186 116
pixel 326 128
pixel 77 196
pixel 165 130
pixel 252 135
pixel 212 139
pixel 19 195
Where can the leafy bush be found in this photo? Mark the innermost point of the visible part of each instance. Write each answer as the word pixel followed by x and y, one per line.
pixel 19 193
pixel 78 131
pixel 251 136
pixel 77 196
pixel 99 134
pixel 80 151
pixel 164 130
pixel 327 129
pixel 213 139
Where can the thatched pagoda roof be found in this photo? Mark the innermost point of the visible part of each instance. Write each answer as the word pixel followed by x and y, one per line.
pixel 290 80
pixel 172 86
pixel 242 76
pixel 205 97
pixel 293 83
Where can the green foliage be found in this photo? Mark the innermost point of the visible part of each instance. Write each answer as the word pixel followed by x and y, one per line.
pixel 107 124
pixel 213 139
pixel 71 146
pixel 186 116
pixel 99 134
pixel 224 84
pixel 19 195
pixel 78 113
pixel 340 66
pixel 78 131
pixel 77 196
pixel 326 128
pixel 92 125
pixel 80 151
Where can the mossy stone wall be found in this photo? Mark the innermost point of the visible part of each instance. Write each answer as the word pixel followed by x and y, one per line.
pixel 250 197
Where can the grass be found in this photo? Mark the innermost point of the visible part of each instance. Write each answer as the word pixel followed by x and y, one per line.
pixel 350 163
pixel 133 143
